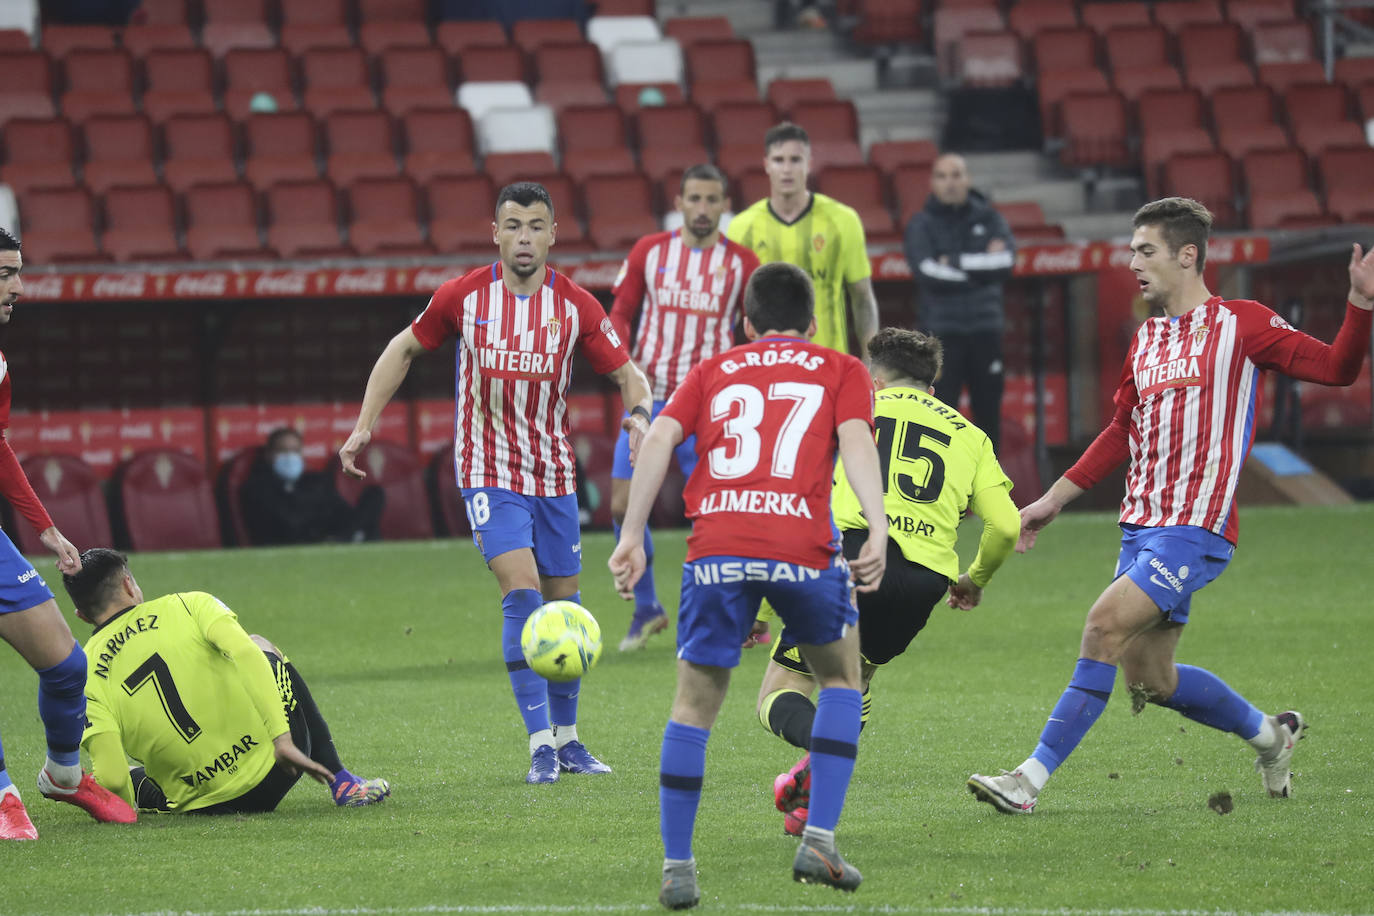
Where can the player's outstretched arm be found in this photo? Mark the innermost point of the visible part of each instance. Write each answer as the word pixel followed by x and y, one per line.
pixel 863 470
pixel 864 304
pixel 387 374
pixel 1044 510
pixel 627 560
pixel 291 757
pixel 1362 278
pixel 68 559
pixel 1001 529
pixel 964 595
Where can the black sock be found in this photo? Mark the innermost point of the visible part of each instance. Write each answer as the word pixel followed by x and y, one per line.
pixel 790 715
pixel 321 741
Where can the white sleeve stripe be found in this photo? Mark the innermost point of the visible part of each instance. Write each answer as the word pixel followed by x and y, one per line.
pixel 988 260
pixel 934 269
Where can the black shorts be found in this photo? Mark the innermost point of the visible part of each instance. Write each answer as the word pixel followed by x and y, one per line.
pixel 889 618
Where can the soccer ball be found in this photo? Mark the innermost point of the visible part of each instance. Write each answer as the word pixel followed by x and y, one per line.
pixel 561 641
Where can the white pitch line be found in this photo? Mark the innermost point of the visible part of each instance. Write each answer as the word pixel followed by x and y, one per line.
pixel 478 910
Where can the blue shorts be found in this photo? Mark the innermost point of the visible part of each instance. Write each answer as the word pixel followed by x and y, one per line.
pixel 721 595
pixel 21 587
pixel 686 452
pixel 1171 563
pixel 503 521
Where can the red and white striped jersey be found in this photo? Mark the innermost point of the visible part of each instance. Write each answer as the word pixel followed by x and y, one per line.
pixel 1187 402
pixel 14 486
pixel 514 360
pixel 692 299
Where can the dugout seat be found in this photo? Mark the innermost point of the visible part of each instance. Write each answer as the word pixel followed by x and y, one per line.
pixel 951 25
pixel 1345 170
pixel 232 474
pixel 414 78
pixel 911 186
pixel 1298 209
pixel 1250 13
pixel 71 492
pixel 885 23
pixel 165 502
pixel 446 500
pixel 118 151
pixel 59 226
pixel 303 219
pixel 162 12
pixel 37 153
pixel 1157 148
pixel 250 72
pixel 178 82
pixel 199 149
pixel 437 141
pixel 222 222
pixel 608 31
pixel 515 130
pixel 990 60
pixel 453 199
pixel 384 218
pixel 834 130
pixel 1311 103
pixel 1353 72
pixel 572 235
pixel 14 41
pixel 720 61
pixel 889 155
pixel 394 468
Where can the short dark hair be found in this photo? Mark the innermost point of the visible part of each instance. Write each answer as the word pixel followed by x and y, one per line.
pixel 704 172
pixel 281 432
pixel 94 585
pixel 526 194
pixel 907 354
pixel 779 297
pixel 781 133
pixel 7 241
pixel 1181 221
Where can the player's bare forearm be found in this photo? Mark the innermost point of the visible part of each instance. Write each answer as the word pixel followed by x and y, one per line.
pixel 1362 278
pixel 627 561
pixel 637 397
pixel 865 306
pixel 1044 510
pixel 387 374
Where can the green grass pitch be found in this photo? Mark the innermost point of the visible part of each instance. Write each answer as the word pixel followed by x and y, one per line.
pixel 400 644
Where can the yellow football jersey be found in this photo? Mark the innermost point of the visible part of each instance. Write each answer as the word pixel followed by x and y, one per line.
pixel 177 702
pixel 934 461
pixel 827 241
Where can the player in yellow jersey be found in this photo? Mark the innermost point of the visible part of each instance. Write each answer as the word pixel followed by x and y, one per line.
pixel 221 721
pixel 935 465
pixel 819 234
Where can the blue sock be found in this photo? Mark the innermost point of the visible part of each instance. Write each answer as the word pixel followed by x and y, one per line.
pixel 682 763
pixel 62 706
pixel 563 694
pixel 531 690
pixel 1206 698
pixel 834 745
pixel 646 595
pixel 5 781
pixel 1078 708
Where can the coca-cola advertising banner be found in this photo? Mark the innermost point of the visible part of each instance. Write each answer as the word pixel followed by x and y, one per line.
pixel 1031 261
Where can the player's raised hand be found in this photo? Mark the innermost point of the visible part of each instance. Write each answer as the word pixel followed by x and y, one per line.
pixel 291 758
pixel 68 558
pixel 351 449
pixel 1362 277
pixel 867 568
pixel 1033 518
pixel 964 595
pixel 627 564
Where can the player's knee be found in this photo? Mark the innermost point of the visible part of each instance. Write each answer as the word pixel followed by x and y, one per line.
pixel 266 645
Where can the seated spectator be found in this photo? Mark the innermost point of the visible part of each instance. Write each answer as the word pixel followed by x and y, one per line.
pixel 283 503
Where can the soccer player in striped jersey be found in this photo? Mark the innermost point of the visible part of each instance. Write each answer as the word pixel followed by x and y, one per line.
pixel 517 322
pixel 1185 418
pixel 936 465
pixel 769 417
pixel 31 622
pixel 220 721
pixel 689 284
pixel 817 233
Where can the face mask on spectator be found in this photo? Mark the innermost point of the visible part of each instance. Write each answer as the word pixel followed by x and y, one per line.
pixel 289 466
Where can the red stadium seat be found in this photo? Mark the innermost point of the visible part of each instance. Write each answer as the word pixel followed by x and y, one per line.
pixel 1240 140
pixel 404 10
pixel 505 168
pixel 952 23
pixel 750 186
pixel 359 144
pixel 219 38
pixel 405 514
pixel 1065 49
pixel 619 210
pixel 161 12
pixel 1309 103
pixel 1274 171
pixel 385 218
pixel 336 79
pixel 626 8
pixel 559 95
pixel 1029 18
pixel 990 59
pixel 1210 78
pixel 668 135
pixel 1279 76
pixel 140 224
pixel 59 226
pixel 376 37
pixel 784 94
pixel 437 142
pixel 1160 109
pixel 594 141
pixel 1282 42
pixel 232 475
pixel 572 236
pixel 1345 170
pixel 119 151
pixel 279 147
pixel 1132 84
pixel 167 502
pixel 1101 17
pixel 414 78
pixel 316 12
pixel 911 185
pixel 1355 205
pixel 1056 85
pixel 303 219
pixel 455 37
pixel 574 62
pixel 1205 177
pixel 727 61
pixel 60 40
pixel 98 83
pixel 1027 221
pixel 529 35
pixel 1236 106
pixel 1182 16
pixel 1158 148
pixel 15 41
pixel 712 94
pixel 178 82
pixel 1214 43
pixel 71 492
pixel 1353 72
pixel 1095 128
pixel 455 205
pixel 37 154
pixel 862 187
pixel 493 63
pixel 1132 47
pixel 318 24
pixel 827 120
pixel 690 29
pixel 1320 136
pixel 250 72
pixel 222 222
pixel 1250 13
pixel 1364 100
pixel 743 124
pixel 889 155
pixel 142 40
pixel 199 150
pixel 1287 210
